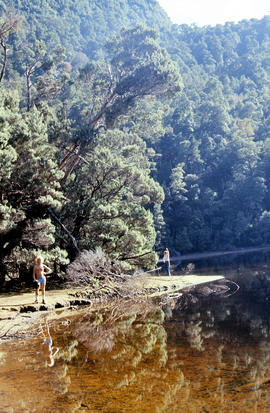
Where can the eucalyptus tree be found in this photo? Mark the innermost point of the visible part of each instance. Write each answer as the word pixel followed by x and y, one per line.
pixel 107 165
pixel 138 68
pixel 10 22
pixel 108 195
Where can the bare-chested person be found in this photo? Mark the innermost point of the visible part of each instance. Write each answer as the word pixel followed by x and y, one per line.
pixel 39 271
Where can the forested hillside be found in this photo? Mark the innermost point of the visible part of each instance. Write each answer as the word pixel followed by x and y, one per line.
pixel 215 155
pixel 121 144
pixel 81 27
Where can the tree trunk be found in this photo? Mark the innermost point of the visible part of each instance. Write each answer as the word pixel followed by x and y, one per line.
pixel 28 85
pixel 13 237
pixel 4 60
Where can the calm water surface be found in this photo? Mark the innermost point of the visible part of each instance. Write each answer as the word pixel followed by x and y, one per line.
pixel 203 352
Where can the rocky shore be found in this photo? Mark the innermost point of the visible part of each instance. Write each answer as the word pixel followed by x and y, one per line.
pixel 19 313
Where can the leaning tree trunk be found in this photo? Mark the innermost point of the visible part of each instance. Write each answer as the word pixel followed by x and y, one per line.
pixel 4 60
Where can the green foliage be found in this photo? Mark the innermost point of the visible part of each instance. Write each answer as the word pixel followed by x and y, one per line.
pixel 29 185
pixel 80 26
pixel 96 131
pixel 213 160
pixel 145 68
pixel 113 188
pixel 108 92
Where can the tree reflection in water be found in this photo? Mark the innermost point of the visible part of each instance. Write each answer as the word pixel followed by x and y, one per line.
pixel 127 365
pixel 225 349
pixel 195 354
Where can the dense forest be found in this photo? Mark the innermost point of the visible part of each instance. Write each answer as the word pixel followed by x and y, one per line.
pixel 122 131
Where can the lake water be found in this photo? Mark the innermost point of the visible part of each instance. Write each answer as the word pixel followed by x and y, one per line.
pixel 207 351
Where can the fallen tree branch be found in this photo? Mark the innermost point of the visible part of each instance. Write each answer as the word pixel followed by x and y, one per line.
pixel 15 325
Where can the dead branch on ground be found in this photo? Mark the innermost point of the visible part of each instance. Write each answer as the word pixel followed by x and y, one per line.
pixel 95 271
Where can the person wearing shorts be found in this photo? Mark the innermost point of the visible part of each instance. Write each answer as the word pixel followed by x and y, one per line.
pixel 39 271
pixel 48 350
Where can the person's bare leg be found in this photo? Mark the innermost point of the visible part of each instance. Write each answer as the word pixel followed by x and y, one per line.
pixel 47 329
pixel 37 291
pixel 43 293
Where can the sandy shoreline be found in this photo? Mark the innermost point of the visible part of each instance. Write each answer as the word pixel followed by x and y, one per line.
pixel 18 312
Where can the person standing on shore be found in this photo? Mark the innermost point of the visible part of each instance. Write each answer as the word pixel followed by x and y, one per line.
pixel 39 271
pixel 166 260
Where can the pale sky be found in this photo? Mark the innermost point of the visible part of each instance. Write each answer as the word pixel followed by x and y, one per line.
pixel 212 12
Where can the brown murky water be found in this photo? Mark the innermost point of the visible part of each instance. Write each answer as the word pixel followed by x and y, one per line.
pixel 198 356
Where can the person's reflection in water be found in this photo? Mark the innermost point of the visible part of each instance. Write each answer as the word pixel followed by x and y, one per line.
pixel 48 350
